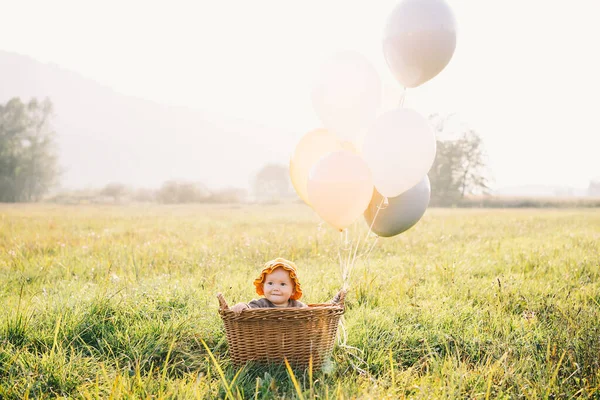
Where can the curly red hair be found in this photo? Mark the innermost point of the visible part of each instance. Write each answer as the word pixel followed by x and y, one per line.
pixel 271 266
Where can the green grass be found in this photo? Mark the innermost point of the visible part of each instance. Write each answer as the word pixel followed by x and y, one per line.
pixel 116 302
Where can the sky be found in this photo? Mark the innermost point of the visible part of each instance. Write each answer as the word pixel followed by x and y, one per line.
pixel 524 74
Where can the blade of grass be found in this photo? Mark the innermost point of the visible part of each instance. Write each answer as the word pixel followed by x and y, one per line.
pixel 56 329
pixel 392 369
pixel 555 374
pixel 310 376
pixel 237 374
pixel 164 373
pixel 492 372
pixel 219 370
pixel 115 389
pixel 293 378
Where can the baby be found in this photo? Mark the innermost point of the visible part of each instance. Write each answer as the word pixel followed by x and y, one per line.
pixel 278 282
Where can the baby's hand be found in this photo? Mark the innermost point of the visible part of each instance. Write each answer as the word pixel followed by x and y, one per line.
pixel 239 307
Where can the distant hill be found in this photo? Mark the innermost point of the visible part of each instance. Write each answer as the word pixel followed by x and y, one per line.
pixel 104 136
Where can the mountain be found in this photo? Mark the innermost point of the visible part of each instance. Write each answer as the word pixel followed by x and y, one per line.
pixel 104 136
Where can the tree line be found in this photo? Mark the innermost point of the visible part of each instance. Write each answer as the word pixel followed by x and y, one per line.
pixel 29 166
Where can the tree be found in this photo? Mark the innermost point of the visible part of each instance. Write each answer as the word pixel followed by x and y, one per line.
pixel 28 157
pixel 174 192
pixel 115 190
pixel 594 188
pixel 459 168
pixel 272 183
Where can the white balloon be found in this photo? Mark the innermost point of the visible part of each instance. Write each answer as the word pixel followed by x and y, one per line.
pixel 400 150
pixel 340 188
pixel 347 95
pixel 419 40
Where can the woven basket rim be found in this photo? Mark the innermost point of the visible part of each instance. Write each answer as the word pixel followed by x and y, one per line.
pixel 312 307
pixel 287 312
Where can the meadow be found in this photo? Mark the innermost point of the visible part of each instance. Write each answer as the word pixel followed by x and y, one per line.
pixel 115 302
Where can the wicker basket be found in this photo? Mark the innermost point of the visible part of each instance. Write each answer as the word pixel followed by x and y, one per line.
pixel 268 335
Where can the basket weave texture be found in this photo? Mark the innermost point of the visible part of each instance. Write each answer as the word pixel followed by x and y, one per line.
pixel 269 335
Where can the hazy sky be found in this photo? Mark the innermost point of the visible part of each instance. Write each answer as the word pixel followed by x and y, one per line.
pixel 524 74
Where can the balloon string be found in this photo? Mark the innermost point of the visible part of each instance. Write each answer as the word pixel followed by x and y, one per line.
pixel 340 247
pixel 402 97
pixel 348 260
pixel 355 250
pixel 379 207
pixel 347 269
pixel 347 254
pixel 344 258
pixel 368 253
pixel 365 254
pixel 353 253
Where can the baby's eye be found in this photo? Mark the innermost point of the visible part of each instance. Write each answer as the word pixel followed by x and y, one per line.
pixel 283 284
pixel 270 283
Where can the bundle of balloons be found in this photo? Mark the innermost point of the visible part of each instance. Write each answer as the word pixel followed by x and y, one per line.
pixel 362 159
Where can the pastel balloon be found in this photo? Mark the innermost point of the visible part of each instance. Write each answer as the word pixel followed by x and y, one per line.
pixel 340 188
pixel 347 95
pixel 401 212
pixel 400 150
pixel 309 150
pixel 419 40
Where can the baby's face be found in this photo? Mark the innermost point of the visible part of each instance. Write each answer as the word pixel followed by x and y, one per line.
pixel 278 287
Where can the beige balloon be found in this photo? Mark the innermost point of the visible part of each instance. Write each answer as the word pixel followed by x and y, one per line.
pixel 314 145
pixel 347 95
pixel 340 188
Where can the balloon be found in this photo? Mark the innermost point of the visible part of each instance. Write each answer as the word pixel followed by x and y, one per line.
pixel 401 213
pixel 419 40
pixel 309 150
pixel 340 188
pixel 347 95
pixel 400 150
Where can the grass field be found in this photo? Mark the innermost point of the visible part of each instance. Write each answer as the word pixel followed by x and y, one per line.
pixel 114 302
